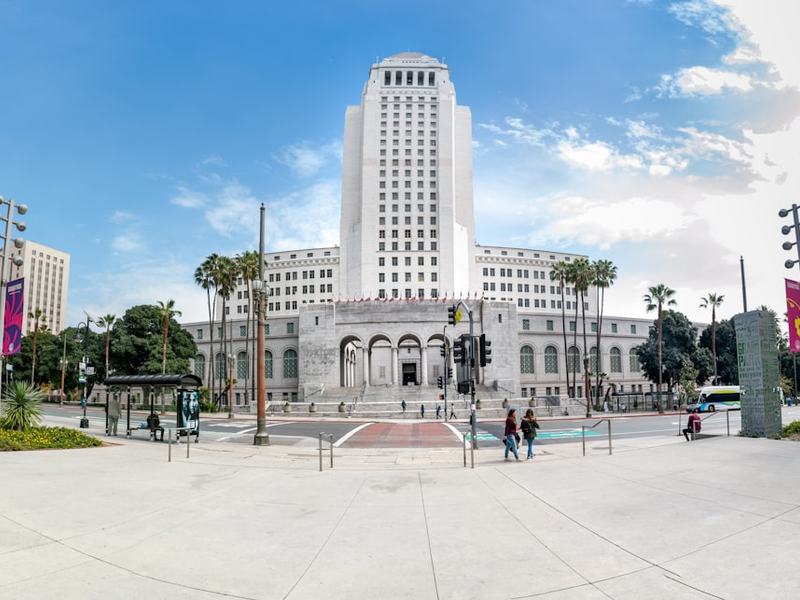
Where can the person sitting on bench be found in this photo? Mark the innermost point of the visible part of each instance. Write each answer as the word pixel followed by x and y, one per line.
pixel 693 426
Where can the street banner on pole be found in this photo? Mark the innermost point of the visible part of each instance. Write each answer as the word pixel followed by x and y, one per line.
pixel 793 313
pixel 12 325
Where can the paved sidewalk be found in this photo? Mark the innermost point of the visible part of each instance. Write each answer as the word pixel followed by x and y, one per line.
pixel 659 518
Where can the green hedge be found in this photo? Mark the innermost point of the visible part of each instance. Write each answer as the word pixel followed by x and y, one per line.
pixel 45 437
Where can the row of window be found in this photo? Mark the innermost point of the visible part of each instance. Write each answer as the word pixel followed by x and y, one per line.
pixel 407 277
pixel 408 77
pixel 292 275
pixel 243 365
pixel 550 325
pixel 395 293
pixel 395 246
pixel 574 361
pixel 243 330
pixel 434 260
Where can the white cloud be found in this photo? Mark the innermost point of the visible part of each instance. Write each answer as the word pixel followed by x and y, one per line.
pixel 307 161
pixel 127 243
pixel 597 156
pixel 703 81
pixel 187 198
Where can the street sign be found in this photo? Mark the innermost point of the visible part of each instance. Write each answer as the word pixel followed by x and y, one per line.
pixel 90 370
pixel 81 379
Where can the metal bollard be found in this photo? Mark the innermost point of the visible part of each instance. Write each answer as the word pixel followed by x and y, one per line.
pixel 169 443
pixel 330 439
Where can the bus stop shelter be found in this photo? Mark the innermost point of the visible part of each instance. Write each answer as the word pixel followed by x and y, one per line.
pixel 186 385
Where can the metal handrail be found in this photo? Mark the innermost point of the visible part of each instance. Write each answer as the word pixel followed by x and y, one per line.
pixel 169 440
pixel 583 434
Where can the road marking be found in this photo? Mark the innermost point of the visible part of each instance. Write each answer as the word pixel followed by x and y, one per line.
pixel 566 433
pixel 350 434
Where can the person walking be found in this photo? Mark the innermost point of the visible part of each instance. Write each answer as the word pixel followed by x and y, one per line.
pixel 453 411
pixel 510 435
pixel 438 410
pixel 114 413
pixel 529 426
pixel 403 404
pixel 693 426
pixel 422 410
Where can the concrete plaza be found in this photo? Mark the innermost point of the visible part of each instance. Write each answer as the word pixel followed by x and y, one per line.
pixel 659 518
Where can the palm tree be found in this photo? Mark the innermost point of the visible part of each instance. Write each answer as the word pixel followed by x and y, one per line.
pixel 714 301
pixel 21 406
pixel 559 273
pixel 37 315
pixel 605 273
pixel 224 277
pixel 582 276
pixel 657 297
pixel 107 322
pixel 248 269
pixel 167 310
pixel 204 277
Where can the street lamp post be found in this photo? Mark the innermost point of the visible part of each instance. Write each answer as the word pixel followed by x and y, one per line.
pixel 17 260
pixel 261 291
pixel 63 370
pixel 85 400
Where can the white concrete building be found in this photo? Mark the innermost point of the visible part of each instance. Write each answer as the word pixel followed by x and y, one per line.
pixel 46 274
pixel 368 317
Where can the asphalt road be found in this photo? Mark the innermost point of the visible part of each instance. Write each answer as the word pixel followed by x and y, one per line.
pixel 553 431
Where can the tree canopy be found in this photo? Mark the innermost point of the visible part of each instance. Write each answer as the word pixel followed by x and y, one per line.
pixel 679 347
pixel 727 366
pixel 137 348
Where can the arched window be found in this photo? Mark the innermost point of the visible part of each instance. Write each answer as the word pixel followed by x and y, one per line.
pixel 574 359
pixel 550 360
pixel 290 364
pixel 526 360
pixel 635 364
pixel 242 370
pixel 616 360
pixel 268 365
pixel 220 367
pixel 200 366
pixel 593 360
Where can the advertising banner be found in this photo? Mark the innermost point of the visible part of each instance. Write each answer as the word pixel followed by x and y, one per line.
pixel 12 319
pixel 189 410
pixel 793 313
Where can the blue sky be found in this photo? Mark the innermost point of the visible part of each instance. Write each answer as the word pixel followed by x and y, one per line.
pixel 660 135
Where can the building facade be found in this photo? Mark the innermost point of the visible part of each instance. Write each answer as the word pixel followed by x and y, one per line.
pixel 369 316
pixel 46 274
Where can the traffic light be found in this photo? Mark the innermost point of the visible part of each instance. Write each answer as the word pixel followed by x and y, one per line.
pixel 440 382
pixel 458 352
pixel 485 351
pixel 449 373
pixel 452 315
pixel 442 351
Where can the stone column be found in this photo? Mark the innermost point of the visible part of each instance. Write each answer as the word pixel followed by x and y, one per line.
pixel 365 359
pixel 423 354
pixel 395 358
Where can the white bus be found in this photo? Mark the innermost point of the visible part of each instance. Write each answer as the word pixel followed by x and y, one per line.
pixel 716 397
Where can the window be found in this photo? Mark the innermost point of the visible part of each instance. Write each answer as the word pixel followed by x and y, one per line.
pixel 199 334
pixel 571 325
pixel 574 360
pixel 549 324
pixel 526 324
pixel 594 327
pixel 241 366
pixel 616 360
pixel 290 364
pixel 593 360
pixel 613 328
pixel 635 365
pixel 550 360
pixel 220 366
pixel 200 366
pixel 290 327
pixel 268 365
pixel 633 329
pixel 526 360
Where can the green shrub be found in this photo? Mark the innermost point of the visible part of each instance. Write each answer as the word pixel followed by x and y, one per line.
pixel 21 407
pixel 45 437
pixel 792 428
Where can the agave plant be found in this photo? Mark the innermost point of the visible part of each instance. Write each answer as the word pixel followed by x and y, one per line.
pixel 21 406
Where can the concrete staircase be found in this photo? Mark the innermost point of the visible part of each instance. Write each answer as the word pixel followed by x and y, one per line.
pixel 384 402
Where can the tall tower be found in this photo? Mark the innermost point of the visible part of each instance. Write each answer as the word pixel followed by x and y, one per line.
pixel 407 226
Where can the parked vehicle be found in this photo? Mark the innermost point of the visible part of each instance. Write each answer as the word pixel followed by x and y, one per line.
pixel 716 397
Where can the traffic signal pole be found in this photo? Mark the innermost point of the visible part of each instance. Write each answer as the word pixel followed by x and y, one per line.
pixel 454 314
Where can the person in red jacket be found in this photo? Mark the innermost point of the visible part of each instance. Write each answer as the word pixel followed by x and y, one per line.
pixel 693 426
pixel 510 435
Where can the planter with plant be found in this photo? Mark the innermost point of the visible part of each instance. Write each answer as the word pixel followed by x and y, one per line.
pixel 341 406
pixel 312 407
